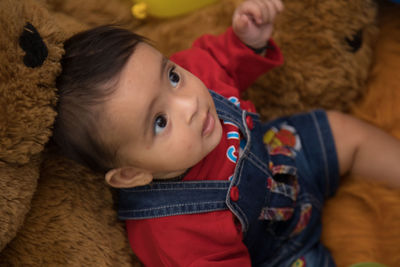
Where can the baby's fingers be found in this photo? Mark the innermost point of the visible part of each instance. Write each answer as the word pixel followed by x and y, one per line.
pixel 270 8
pixel 241 23
pixel 253 10
pixel 278 5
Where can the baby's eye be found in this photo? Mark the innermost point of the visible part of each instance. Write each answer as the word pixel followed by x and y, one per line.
pixel 173 77
pixel 160 123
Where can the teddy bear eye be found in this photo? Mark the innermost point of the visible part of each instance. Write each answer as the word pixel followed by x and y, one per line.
pixel 33 45
pixel 355 41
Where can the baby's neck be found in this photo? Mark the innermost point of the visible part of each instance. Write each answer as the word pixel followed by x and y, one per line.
pixel 173 179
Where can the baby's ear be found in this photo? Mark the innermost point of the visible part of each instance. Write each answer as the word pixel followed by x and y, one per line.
pixel 128 177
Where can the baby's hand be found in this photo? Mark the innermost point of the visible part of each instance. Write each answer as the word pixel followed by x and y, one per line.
pixel 253 21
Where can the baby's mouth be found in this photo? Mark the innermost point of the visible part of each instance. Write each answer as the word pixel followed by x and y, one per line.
pixel 208 124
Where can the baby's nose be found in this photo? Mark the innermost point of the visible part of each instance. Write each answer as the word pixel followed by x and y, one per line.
pixel 188 107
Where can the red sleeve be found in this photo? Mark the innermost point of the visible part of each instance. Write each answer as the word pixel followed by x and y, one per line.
pixel 209 239
pixel 225 60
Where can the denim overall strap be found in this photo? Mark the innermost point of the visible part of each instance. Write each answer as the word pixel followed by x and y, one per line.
pixel 270 199
pixel 162 199
pixel 276 197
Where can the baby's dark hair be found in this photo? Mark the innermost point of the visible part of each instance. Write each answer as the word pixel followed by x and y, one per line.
pixel 91 66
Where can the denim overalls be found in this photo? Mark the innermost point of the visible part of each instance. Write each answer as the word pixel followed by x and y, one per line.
pixel 283 174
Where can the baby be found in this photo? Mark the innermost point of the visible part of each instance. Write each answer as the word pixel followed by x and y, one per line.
pixel 202 182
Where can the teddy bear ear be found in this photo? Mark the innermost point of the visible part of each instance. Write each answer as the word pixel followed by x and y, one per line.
pixel 32 43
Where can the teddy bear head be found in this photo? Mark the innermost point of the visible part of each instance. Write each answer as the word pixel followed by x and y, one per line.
pixel 30 52
pixel 327 46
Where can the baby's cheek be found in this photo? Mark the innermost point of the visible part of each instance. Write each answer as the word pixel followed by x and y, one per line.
pixel 189 148
pixel 179 149
pixel 191 151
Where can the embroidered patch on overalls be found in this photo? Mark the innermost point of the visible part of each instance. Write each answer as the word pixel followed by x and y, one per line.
pixel 284 137
pixel 276 214
pixel 281 150
pixel 290 191
pixel 283 169
pixel 282 142
pixel 305 216
pixel 300 262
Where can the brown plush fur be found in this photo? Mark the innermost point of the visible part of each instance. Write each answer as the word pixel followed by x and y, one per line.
pixel 367 227
pixel 320 70
pixel 71 219
pixel 72 222
pixel 27 98
pixel 178 33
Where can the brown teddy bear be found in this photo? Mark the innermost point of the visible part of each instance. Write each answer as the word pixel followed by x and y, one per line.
pixel 327 50
pixel 55 212
pixel 29 63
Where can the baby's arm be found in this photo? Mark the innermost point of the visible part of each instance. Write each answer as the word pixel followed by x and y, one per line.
pixel 365 150
pixel 223 62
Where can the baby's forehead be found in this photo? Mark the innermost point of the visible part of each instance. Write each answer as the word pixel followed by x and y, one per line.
pixel 143 66
pixel 139 83
pixel 145 54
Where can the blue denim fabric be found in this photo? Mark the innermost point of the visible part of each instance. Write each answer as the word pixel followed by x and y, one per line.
pixel 279 208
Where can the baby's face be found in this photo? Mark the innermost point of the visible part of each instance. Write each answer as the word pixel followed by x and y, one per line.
pixel 161 116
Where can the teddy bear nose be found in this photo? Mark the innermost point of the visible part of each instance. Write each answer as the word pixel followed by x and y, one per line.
pixel 32 43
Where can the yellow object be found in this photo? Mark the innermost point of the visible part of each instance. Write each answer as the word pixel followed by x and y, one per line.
pixel 166 8
pixel 139 10
pixel 267 139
